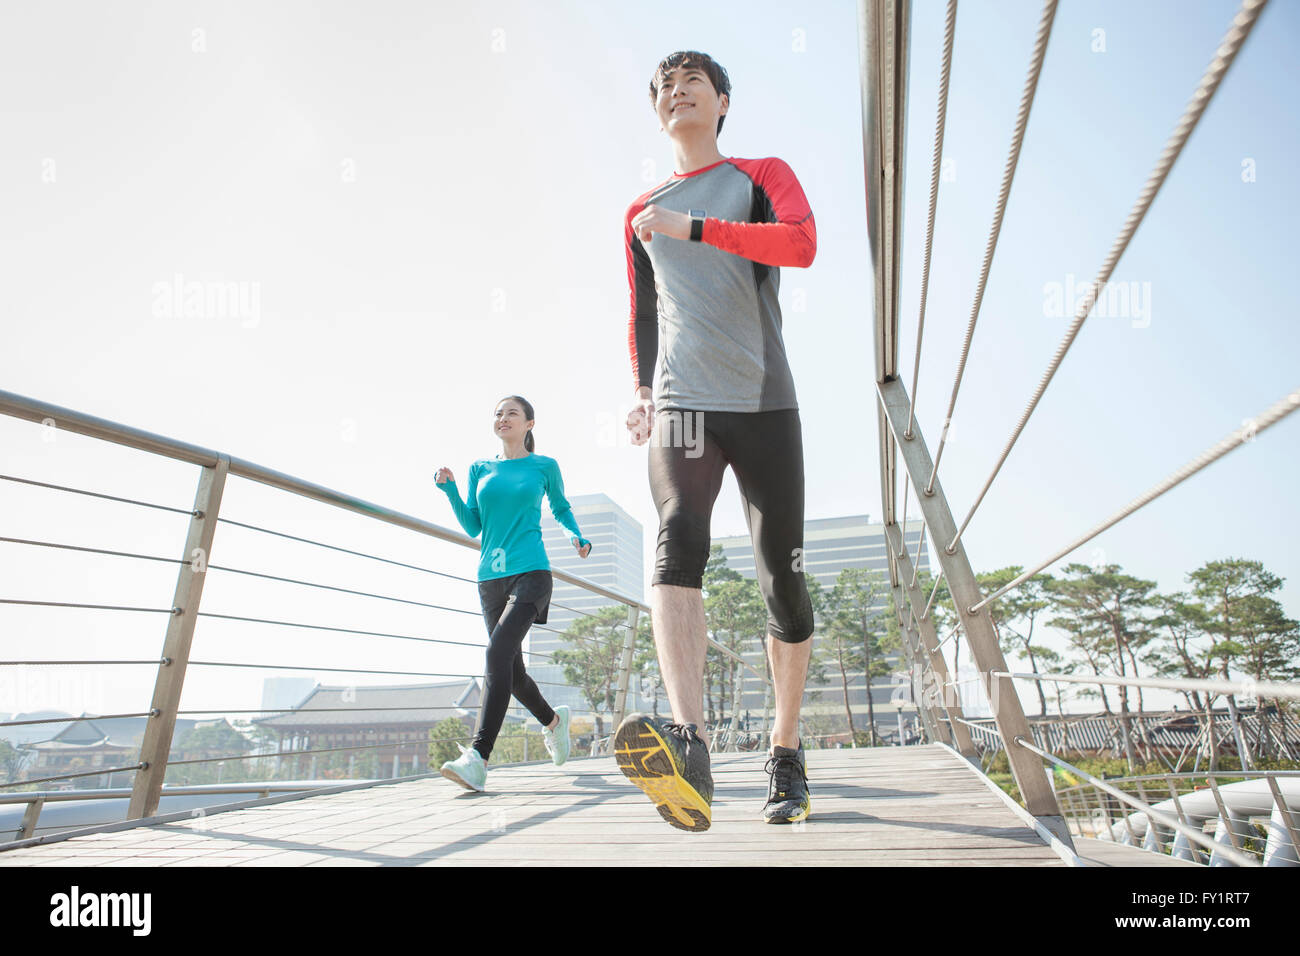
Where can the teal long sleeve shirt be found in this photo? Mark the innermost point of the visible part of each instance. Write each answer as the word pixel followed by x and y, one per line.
pixel 503 502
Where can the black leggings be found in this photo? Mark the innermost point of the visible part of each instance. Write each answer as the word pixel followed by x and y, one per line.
pixel 689 451
pixel 510 606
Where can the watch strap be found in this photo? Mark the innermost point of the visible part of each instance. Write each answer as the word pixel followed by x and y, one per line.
pixel 697 224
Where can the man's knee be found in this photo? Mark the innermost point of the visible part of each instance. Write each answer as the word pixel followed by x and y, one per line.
pixel 683 547
pixel 790 618
pixel 791 632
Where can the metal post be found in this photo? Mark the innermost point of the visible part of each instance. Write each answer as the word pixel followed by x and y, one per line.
pixel 1003 699
pixel 930 640
pixel 1070 811
pixel 937 729
pixel 913 666
pixel 156 747
pixel 1183 848
pixel 30 816
pixel 912 650
pixel 1282 848
pixel 1104 810
pixel 1081 813
pixel 625 667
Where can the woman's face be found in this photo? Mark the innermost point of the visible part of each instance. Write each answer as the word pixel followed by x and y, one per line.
pixel 509 422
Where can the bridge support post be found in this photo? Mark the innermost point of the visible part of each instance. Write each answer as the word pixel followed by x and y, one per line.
pixel 625 668
pixel 923 700
pixel 929 640
pixel 156 746
pixel 1003 699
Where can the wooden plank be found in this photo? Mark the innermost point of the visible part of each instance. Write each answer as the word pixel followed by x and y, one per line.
pixel 889 806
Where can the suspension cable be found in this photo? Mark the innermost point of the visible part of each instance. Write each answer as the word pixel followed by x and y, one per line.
pixel 1009 172
pixel 1214 74
pixel 1239 437
pixel 945 69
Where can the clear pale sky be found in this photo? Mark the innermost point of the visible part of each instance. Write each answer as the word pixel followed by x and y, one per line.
pixel 425 204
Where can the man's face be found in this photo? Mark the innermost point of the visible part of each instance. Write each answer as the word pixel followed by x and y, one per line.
pixel 688 102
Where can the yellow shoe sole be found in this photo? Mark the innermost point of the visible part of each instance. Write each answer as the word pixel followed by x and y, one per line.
pixel 645 759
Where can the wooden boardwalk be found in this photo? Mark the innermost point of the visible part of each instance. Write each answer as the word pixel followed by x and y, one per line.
pixel 909 806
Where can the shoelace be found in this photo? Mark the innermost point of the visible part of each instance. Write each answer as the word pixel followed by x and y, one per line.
pixel 686 732
pixel 782 769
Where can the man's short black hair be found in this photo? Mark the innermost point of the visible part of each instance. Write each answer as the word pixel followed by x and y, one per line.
pixel 696 60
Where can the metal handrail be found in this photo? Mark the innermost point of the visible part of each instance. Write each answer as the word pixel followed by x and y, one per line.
pixel 1175 794
pixel 1192 834
pixel 1251 686
pixel 229 521
pixel 34 410
pixel 1206 774
pixel 1233 853
pixel 116 793
pixel 216 467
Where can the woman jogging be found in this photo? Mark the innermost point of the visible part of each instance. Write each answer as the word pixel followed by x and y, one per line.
pixel 504 502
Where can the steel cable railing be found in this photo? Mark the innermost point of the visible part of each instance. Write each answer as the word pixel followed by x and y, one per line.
pixel 1004 191
pixel 354 630
pixel 88 550
pixel 186 610
pixel 97 772
pixel 38 799
pixel 88 607
pixel 375 557
pixel 898 407
pixel 1191 833
pixel 1223 57
pixel 349 670
pixel 945 71
pixel 95 494
pixel 68 720
pixel 1240 436
pixel 934 591
pixel 1286 836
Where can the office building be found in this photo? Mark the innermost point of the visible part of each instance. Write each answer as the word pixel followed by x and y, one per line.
pixel 830 546
pixel 615 562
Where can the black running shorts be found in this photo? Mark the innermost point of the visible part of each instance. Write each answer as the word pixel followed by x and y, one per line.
pixel 689 451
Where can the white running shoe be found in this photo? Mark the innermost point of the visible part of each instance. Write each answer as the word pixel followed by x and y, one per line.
pixel 557 740
pixel 469 769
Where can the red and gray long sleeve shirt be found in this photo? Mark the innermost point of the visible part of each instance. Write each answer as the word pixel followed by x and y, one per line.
pixel 705 325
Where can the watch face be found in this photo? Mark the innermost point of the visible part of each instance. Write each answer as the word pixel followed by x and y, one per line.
pixel 697 214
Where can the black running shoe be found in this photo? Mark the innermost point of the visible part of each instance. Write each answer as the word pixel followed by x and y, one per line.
pixel 671 764
pixel 787 792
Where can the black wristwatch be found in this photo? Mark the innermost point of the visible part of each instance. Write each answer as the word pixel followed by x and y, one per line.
pixel 697 224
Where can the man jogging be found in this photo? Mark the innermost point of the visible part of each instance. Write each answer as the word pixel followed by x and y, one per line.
pixel 709 366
